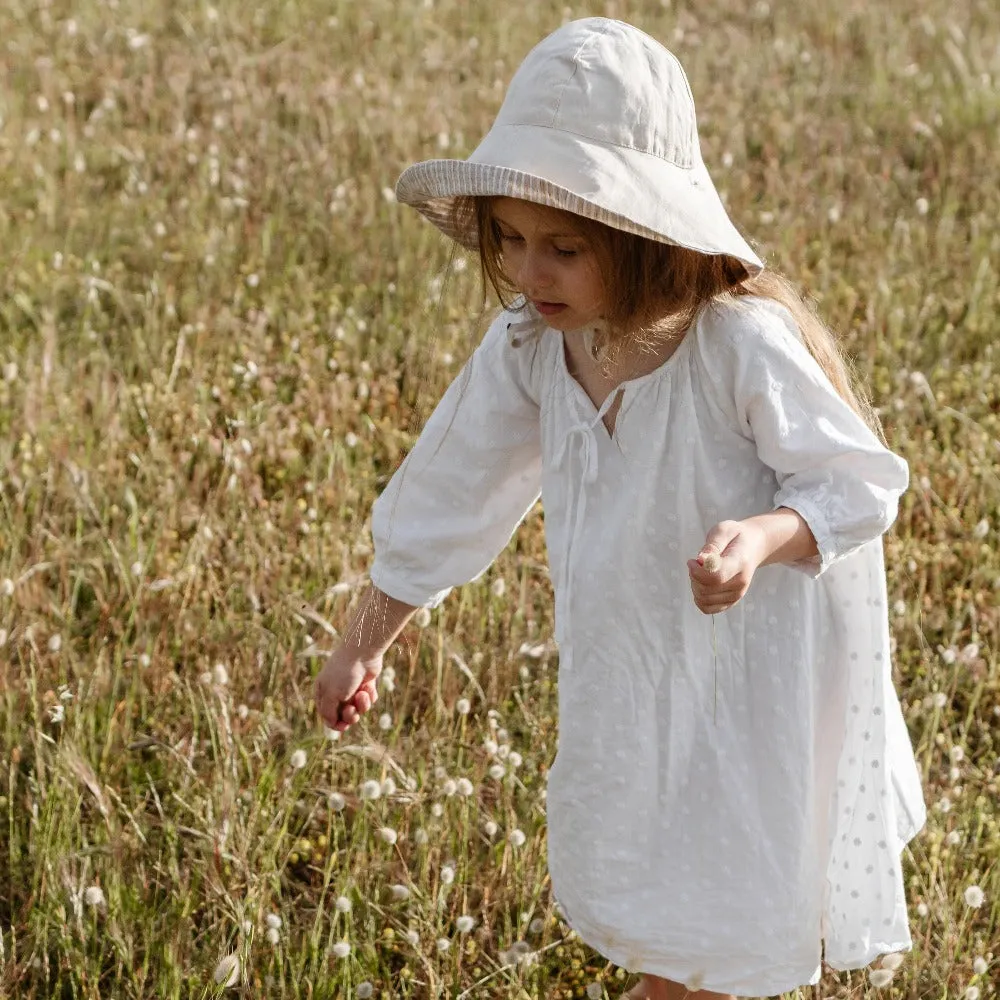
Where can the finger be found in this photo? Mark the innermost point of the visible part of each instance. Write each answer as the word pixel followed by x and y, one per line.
pixel 702 575
pixel 362 700
pixel 349 714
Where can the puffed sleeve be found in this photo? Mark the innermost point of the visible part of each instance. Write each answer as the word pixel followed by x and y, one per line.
pixel 830 466
pixel 468 482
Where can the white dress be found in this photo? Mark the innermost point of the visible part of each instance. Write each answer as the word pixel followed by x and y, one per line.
pixel 724 842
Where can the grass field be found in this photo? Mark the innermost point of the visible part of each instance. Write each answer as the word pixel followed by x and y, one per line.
pixel 218 335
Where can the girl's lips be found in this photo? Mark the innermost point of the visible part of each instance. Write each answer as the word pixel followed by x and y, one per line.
pixel 549 308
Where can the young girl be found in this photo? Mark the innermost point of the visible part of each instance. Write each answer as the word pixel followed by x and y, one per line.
pixel 734 781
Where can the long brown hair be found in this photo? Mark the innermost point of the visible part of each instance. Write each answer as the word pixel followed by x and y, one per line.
pixel 656 282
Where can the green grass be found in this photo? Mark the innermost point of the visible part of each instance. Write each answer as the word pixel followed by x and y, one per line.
pixel 218 337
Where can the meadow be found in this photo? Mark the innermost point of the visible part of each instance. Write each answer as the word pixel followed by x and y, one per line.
pixel 219 334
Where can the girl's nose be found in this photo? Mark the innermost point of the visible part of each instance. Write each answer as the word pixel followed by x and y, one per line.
pixel 531 272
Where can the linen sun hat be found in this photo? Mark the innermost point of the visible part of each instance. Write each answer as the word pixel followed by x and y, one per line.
pixel 599 121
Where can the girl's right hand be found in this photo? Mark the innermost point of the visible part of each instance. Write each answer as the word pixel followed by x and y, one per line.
pixel 346 686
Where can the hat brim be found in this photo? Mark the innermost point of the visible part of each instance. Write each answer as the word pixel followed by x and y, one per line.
pixel 624 188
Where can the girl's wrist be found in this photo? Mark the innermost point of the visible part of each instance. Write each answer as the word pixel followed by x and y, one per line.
pixel 783 536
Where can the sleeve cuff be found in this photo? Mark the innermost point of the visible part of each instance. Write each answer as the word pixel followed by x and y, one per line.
pixel 819 526
pixel 400 590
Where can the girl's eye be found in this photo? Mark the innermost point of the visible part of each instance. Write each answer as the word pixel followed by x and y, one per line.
pixel 508 238
pixel 565 253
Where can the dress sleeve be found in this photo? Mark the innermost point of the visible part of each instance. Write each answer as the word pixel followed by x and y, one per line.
pixel 468 482
pixel 830 466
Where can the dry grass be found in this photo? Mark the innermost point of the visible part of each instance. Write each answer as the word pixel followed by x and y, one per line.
pixel 218 336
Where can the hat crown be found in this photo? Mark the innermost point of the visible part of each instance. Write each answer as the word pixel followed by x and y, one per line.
pixel 609 82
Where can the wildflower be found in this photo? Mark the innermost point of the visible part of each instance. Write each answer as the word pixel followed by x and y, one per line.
pixel 922 206
pixel 880 977
pixel 421 836
pixel 55 643
pixel 412 937
pixel 462 706
pixel 498 587
pixel 922 909
pixel 341 949
pixel 351 439
pixel 370 789
pixel 227 972
pixel 342 904
pixel 336 801
pixel 594 991
pixel 56 714
pixel 273 921
pixel 979 966
pixel 364 990
pixel 490 746
pixel 892 961
pixel 940 699
pixel 388 834
pixel 272 934
pixel 399 892
pixel 957 754
pixel 449 787
pixel 517 838
pixel 447 875
pixel 298 760
pixel 388 787
pixel 982 529
pixel 972 993
pixel 422 618
pixel 385 721
pixel 253 280
pixel 497 771
pixel 974 897
pixel 899 608
pixel 970 653
pixel 953 839
pixel 94 896
pixel 536 926
pixel 442 945
pixel 516 760
pixel 464 924
pixel 490 828
pixel 464 786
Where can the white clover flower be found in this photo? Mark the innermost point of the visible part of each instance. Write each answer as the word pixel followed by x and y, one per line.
pixel 370 789
pixel 516 760
pixel 953 839
pixel 253 280
pixel 273 921
pixel 892 961
pixel 412 937
pixel 205 677
pixel 956 753
pixel 940 699
pixel 982 529
pixel 503 751
pixel 490 828
pixel 447 875
pixel 298 760
pixel 899 608
pixel 979 966
pixel 594 991
pixel 517 838
pixel 464 924
pixel 55 643
pixel 389 786
pixel 970 653
pixel 336 801
pixel 364 990
pixel 922 206
pixel 421 836
pixel 422 618
pixel 442 944
pixel 220 674
pixel 6 586
pixel 464 786
pixel 351 439
pixel 341 949
pixel 974 897
pixel 273 935
pixel 463 706
pixel 880 977
pixel 449 787
pixel 385 721
pixel 399 891
pixel 388 834
pixel 145 660
pixel 342 904
pixel 57 713
pixel 536 926
pixel 490 746
pixel 497 771
pixel 922 909
pixel 93 895
pixel 227 972
pixel 247 926
pixel 972 993
pixel 498 587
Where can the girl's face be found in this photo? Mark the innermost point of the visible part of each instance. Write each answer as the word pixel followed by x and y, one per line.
pixel 550 261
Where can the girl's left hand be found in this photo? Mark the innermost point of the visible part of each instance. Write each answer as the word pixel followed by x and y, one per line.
pixel 722 572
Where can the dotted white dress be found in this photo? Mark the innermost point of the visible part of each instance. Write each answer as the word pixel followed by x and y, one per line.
pixel 724 809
